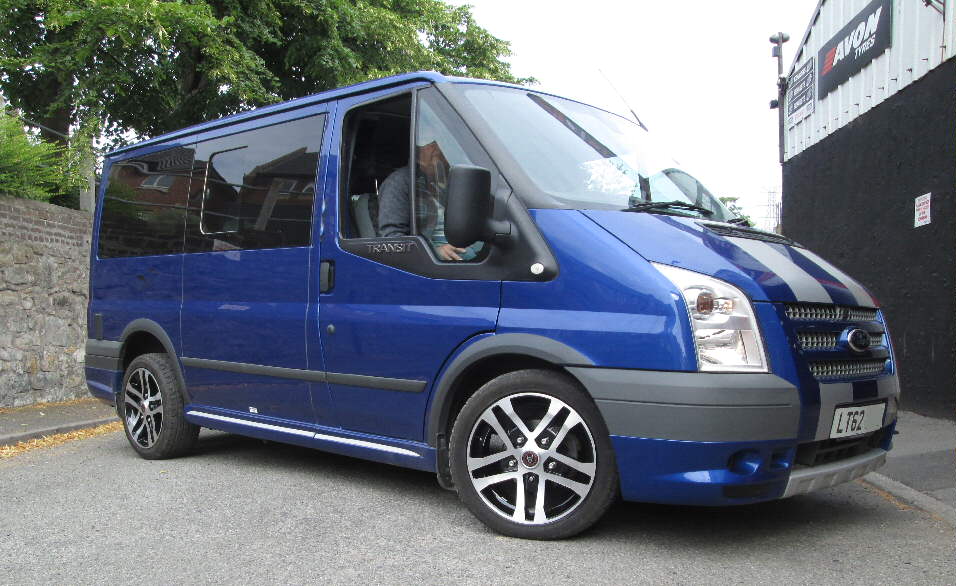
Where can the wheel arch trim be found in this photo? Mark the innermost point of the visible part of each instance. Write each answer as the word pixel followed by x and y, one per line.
pixel 150 327
pixel 530 345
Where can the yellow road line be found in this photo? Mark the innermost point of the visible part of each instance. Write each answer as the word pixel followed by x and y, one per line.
pixel 889 497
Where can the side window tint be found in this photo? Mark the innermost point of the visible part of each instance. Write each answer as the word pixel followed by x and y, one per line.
pixel 144 204
pixel 437 148
pixel 255 189
pixel 376 195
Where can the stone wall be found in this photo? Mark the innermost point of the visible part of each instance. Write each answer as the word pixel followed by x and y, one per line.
pixel 44 271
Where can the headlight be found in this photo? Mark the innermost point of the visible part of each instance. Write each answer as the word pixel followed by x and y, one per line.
pixel 725 328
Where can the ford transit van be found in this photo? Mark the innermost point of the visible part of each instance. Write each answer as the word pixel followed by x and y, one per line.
pixel 515 291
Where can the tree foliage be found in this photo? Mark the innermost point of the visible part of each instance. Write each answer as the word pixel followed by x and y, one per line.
pixel 150 66
pixel 731 203
pixel 30 167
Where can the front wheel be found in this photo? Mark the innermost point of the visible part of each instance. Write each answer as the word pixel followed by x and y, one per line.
pixel 531 456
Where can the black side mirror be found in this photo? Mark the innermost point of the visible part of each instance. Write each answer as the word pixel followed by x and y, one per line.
pixel 468 209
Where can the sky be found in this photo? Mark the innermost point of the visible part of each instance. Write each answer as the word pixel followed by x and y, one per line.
pixel 698 73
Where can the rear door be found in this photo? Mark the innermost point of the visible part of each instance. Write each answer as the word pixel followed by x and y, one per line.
pixel 247 270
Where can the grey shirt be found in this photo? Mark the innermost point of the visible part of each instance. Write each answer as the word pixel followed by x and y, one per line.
pixel 394 208
pixel 394 205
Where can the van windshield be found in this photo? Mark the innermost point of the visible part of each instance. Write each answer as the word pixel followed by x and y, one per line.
pixel 588 158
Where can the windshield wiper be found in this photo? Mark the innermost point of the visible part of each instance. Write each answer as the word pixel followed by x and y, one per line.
pixel 636 205
pixel 739 221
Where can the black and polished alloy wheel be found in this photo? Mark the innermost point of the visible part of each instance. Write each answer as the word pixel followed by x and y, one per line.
pixel 143 402
pixel 152 408
pixel 531 456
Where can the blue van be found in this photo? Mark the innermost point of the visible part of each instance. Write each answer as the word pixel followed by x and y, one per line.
pixel 517 292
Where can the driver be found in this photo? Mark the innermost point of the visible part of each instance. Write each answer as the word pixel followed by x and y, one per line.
pixel 431 188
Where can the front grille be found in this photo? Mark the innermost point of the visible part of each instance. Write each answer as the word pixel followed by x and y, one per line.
pixel 834 450
pixel 828 340
pixel 830 369
pixel 837 313
pixel 749 233
pixel 817 340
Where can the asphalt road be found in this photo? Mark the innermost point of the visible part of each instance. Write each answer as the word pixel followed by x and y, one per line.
pixel 240 511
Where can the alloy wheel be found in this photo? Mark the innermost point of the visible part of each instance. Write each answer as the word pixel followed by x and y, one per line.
pixel 143 407
pixel 531 458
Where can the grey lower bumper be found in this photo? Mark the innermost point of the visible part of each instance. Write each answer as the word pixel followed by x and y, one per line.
pixel 103 354
pixel 692 406
pixel 804 480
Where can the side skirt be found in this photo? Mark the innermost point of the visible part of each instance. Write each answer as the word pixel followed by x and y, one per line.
pixel 406 454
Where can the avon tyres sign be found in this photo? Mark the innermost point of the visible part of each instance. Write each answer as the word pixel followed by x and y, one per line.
pixel 859 42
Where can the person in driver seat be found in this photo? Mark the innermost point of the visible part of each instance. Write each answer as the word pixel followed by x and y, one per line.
pixel 431 189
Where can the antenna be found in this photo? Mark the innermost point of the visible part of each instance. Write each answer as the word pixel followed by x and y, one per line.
pixel 633 113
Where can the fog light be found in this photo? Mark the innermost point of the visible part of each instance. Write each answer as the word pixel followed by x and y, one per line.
pixel 745 462
pixel 780 459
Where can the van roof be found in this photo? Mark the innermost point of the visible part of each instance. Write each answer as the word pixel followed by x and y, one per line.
pixel 333 94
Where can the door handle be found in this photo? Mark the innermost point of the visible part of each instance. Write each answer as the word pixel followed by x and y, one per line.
pixel 326 276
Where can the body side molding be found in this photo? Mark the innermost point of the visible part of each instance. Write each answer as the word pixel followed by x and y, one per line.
pixel 316 376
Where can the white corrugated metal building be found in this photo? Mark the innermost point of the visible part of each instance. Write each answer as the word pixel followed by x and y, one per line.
pixel 923 37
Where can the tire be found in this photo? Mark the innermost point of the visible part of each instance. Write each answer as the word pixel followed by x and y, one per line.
pixel 151 408
pixel 534 429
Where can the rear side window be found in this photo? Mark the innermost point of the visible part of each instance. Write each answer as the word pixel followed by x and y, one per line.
pixel 255 189
pixel 144 204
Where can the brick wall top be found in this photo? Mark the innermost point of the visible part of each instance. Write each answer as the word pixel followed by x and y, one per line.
pixel 58 229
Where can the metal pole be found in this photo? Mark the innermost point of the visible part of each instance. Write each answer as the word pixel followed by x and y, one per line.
pixel 781 98
pixel 88 191
pixel 778 40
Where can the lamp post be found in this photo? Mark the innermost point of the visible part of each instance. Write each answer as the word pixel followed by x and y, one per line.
pixel 778 40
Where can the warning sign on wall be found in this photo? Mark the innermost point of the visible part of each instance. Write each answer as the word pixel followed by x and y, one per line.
pixel 922 210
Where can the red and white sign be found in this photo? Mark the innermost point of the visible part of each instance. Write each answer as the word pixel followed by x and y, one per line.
pixel 922 210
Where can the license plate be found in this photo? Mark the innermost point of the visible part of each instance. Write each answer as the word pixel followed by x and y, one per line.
pixel 850 421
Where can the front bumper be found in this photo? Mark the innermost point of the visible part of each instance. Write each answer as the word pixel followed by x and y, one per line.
pixel 804 480
pixel 693 406
pixel 714 439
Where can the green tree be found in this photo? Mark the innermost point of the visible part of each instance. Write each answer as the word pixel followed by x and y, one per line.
pixel 150 66
pixel 30 167
pixel 731 203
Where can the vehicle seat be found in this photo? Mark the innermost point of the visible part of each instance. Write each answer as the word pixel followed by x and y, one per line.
pixel 365 214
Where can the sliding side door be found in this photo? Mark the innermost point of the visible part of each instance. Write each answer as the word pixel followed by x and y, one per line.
pixel 246 272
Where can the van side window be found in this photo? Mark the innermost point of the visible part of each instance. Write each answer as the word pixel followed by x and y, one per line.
pixel 144 203
pixel 375 148
pixel 386 196
pixel 255 189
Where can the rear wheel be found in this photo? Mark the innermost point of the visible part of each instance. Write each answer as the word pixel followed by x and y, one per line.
pixel 151 408
pixel 531 456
